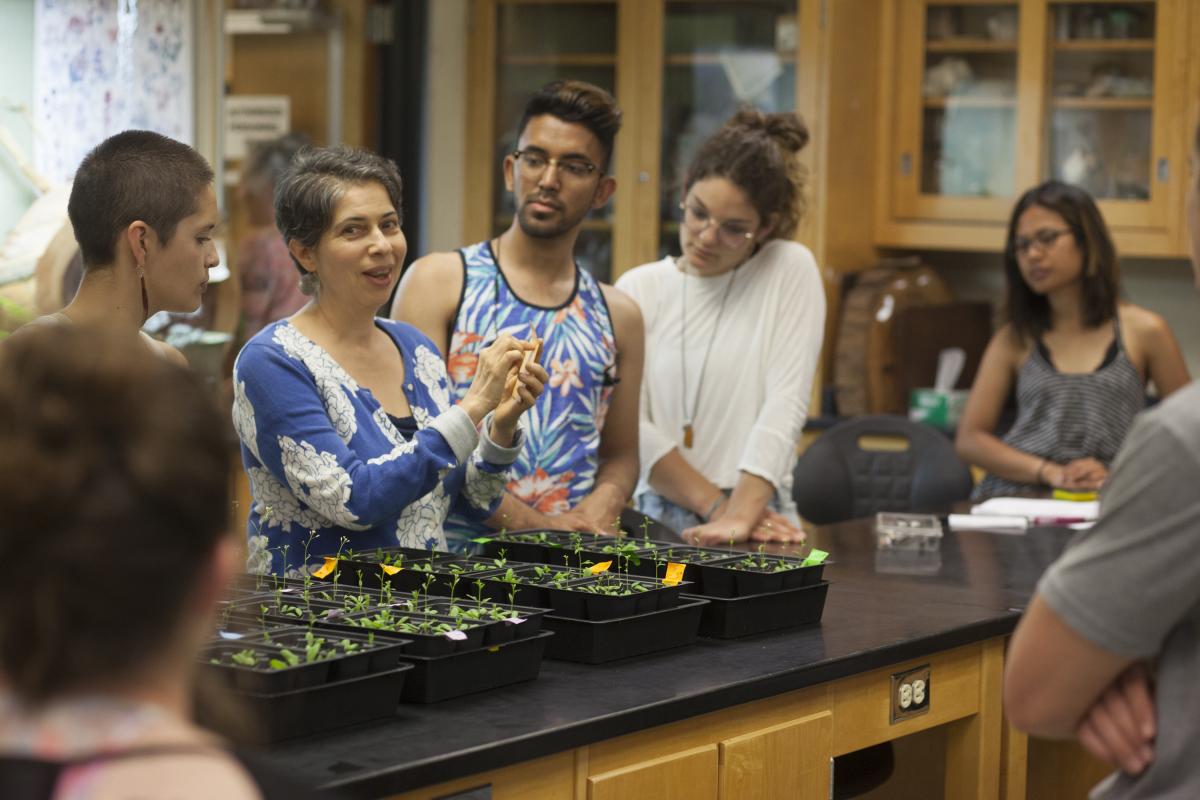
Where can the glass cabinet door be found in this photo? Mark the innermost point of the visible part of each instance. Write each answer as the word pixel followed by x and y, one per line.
pixel 538 42
pixel 957 114
pixel 1102 128
pixel 717 57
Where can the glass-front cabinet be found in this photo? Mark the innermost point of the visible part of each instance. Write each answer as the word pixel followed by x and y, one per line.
pixel 718 56
pixel 990 98
pixel 537 43
pixel 678 70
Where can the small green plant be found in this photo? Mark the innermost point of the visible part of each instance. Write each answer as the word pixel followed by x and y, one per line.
pixel 245 658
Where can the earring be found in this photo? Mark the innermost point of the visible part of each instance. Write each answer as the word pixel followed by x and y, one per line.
pixel 309 283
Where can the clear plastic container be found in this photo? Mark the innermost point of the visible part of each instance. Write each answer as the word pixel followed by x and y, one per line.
pixel 899 531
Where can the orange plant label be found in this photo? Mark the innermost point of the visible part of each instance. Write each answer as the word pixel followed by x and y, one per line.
pixel 674 573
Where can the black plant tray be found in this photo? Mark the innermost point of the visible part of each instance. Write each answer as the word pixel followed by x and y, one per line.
pixel 570 601
pixel 549 552
pixel 380 655
pixel 499 630
pixel 262 678
pixel 422 644
pixel 288 715
pixel 592 642
pixel 722 580
pixel 434 679
pixel 734 617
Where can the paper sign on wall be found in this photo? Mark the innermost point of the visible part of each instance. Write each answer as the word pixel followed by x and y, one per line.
pixel 251 118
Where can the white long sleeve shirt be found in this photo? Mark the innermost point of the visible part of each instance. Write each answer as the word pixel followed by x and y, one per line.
pixel 748 413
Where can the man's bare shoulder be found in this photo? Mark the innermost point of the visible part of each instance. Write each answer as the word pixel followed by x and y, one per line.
pixel 435 279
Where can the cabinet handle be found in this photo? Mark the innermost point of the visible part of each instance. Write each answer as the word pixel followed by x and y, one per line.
pixel 1163 170
pixel 906 164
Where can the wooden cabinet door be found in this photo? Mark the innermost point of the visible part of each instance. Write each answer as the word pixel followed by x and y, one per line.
pixel 688 775
pixel 957 103
pixel 788 760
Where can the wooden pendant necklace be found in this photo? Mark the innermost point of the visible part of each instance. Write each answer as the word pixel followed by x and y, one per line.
pixel 688 430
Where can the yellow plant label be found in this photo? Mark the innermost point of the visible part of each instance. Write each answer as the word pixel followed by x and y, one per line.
pixel 674 573
pixel 389 569
pixel 601 567
pixel 327 568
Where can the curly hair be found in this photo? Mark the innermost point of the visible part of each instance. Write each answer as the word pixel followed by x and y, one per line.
pixel 758 153
pixel 114 480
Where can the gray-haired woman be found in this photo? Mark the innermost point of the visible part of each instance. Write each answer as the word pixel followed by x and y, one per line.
pixel 345 419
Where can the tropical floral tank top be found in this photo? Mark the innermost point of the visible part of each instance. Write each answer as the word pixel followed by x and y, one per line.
pixel 557 466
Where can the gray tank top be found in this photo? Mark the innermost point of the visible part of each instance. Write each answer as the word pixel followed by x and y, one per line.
pixel 1062 417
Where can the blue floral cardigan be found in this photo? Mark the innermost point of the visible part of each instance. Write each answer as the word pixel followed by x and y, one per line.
pixel 325 461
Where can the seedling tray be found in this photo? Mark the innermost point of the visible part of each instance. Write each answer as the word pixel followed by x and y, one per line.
pixel 422 644
pixel 434 679
pixel 597 642
pixel 572 600
pixel 732 618
pixel 497 630
pixel 261 677
pixel 550 551
pixel 380 655
pixel 721 579
pixel 287 715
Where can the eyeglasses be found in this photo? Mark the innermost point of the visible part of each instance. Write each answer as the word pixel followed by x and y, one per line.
pixel 729 234
pixel 535 162
pixel 1042 240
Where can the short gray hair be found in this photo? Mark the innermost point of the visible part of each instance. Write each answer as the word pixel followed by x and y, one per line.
pixel 315 181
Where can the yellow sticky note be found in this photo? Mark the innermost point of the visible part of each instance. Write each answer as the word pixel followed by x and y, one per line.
pixel 674 573
pixel 328 567
pixel 389 569
pixel 601 567
pixel 1078 497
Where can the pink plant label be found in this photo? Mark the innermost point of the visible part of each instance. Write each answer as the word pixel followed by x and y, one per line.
pixel 455 636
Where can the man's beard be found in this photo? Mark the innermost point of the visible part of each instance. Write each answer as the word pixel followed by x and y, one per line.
pixel 548 229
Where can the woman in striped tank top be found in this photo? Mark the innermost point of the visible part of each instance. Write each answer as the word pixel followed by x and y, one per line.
pixel 1076 355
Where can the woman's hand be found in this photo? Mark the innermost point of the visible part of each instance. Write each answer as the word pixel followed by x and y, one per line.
pixel 1082 474
pixel 774 527
pixel 521 391
pixel 496 361
pixel 729 528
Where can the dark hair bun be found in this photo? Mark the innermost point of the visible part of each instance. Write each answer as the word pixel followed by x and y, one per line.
pixel 787 129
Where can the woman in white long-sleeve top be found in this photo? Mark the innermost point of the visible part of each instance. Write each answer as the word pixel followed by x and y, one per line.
pixel 345 418
pixel 733 335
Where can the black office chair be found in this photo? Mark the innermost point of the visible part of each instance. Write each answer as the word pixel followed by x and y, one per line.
pixel 859 467
pixel 882 463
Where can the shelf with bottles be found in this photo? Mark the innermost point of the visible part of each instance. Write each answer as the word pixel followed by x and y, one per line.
pixel 558 60
pixel 967 101
pixel 1103 45
pixel 786 57
pixel 963 44
pixel 1105 103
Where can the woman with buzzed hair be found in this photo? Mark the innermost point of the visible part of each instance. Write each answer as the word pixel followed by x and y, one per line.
pixel 143 210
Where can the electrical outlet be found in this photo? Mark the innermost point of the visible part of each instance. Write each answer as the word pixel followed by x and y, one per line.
pixel 910 693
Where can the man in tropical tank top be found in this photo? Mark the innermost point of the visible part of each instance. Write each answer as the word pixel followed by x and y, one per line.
pixel 580 463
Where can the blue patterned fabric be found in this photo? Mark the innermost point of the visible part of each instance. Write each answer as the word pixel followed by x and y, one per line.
pixel 557 467
pixel 325 461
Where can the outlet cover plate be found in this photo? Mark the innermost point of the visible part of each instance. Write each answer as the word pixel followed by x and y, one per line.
pixel 910 693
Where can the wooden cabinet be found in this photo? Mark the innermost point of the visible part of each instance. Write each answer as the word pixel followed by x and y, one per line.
pixel 678 69
pixel 690 775
pixel 982 99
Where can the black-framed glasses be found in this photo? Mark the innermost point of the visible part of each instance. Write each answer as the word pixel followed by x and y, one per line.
pixel 729 234
pixel 1042 240
pixel 535 163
